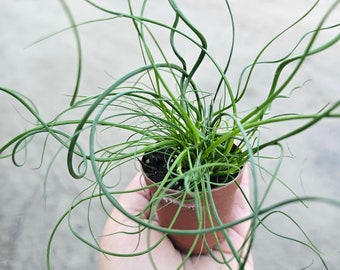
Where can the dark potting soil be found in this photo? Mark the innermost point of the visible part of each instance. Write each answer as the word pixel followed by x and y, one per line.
pixel 155 165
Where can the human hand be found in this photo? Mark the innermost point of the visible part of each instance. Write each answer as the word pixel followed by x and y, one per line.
pixel 164 256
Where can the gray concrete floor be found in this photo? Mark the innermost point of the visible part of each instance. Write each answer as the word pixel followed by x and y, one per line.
pixel 45 72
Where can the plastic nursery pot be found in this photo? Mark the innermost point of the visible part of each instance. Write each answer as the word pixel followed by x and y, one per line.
pixel 187 217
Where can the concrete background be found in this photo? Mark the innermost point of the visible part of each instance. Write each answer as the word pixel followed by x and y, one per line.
pixel 45 72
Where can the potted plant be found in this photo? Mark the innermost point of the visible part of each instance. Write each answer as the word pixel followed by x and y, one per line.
pixel 190 143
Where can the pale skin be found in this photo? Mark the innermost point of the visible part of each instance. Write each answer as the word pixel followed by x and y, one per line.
pixel 164 256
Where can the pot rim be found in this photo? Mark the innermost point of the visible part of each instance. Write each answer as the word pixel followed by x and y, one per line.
pixel 180 191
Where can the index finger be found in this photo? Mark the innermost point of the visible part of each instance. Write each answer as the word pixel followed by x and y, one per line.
pixel 136 197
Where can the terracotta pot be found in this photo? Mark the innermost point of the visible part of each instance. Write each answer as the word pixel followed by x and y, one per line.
pixel 187 219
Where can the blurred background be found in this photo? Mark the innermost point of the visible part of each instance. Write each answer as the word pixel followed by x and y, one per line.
pixel 34 196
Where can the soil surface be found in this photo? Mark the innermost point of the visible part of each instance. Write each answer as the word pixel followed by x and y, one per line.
pixel 155 165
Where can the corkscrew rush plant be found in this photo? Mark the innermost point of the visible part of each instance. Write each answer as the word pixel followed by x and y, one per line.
pixel 162 109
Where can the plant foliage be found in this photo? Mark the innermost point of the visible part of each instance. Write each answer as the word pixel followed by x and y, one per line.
pixel 161 109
